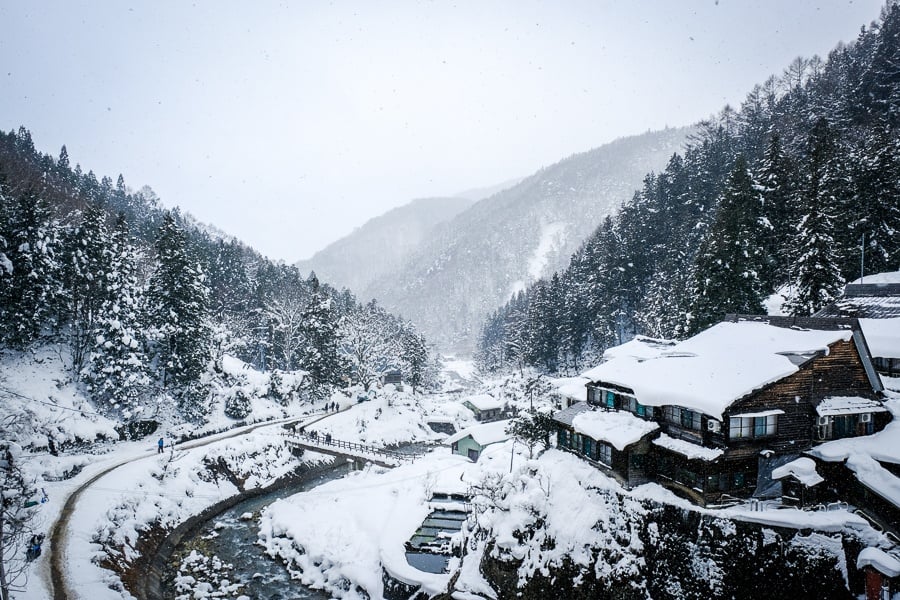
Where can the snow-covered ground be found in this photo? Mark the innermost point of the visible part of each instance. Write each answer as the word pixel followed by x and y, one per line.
pixel 340 535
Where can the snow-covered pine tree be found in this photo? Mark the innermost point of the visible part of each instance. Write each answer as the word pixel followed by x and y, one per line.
pixel 30 280
pixel 728 267
pixel 117 368
pixel 876 204
pixel 87 265
pixel 177 308
pixel 775 179
pixel 321 352
pixel 816 276
pixel 414 358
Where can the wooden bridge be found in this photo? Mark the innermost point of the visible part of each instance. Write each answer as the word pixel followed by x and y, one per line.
pixel 317 442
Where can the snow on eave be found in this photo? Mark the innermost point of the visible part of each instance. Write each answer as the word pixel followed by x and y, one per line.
pixel 879 560
pixel 849 405
pixel 878 278
pixel 688 449
pixel 882 336
pixel 803 469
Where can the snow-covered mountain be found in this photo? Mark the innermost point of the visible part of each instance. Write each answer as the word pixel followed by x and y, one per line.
pixel 470 265
pixel 380 245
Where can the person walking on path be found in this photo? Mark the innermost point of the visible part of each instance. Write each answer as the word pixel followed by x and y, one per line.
pixel 159 446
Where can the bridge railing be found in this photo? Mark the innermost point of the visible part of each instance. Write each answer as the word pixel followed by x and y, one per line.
pixel 321 440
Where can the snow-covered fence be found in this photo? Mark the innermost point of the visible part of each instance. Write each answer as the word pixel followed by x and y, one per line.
pixel 314 440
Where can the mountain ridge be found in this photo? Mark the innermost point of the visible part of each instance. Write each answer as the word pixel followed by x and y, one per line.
pixel 474 262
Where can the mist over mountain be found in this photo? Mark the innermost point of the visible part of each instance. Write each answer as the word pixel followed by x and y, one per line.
pixel 381 244
pixel 473 263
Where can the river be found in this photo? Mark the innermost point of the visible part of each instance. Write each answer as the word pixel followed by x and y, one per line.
pixel 233 540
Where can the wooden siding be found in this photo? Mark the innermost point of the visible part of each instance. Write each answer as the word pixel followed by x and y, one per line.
pixel 839 373
pixel 630 467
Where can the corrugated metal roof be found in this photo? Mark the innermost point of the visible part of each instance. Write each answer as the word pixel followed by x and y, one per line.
pixel 866 301
pixel 566 415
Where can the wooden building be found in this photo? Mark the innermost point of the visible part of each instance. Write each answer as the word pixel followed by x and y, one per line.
pixel 875 301
pixel 485 407
pixel 472 441
pixel 615 441
pixel 733 401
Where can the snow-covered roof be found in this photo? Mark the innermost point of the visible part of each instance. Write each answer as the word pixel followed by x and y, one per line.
pixel 487 433
pixel 711 370
pixel 484 402
pixel 879 278
pixel 882 336
pixel 571 387
pixel 803 469
pixel 566 415
pixel 848 405
pixel 619 428
pixel 640 348
pixel 875 296
pixel 688 449
pixel 880 560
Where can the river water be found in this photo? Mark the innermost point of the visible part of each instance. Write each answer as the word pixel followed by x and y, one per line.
pixel 233 540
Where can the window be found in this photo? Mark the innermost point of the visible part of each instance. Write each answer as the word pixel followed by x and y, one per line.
pixel 604 454
pixel 633 406
pixel 752 427
pixel 610 400
pixel 688 419
pixel 672 414
pixel 586 447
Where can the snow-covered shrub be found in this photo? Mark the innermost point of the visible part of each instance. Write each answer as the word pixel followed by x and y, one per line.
pixel 238 406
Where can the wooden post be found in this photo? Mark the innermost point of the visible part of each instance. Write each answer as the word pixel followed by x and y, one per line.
pixel 874 584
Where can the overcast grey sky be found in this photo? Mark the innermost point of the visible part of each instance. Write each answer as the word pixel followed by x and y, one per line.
pixel 290 124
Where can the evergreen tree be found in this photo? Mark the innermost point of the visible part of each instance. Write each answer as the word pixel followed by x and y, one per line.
pixel 414 357
pixel 87 269
pixel 178 314
pixel 775 181
pixel 117 369
pixel 816 277
pixel 320 326
pixel 877 205
pixel 727 274
pixel 30 283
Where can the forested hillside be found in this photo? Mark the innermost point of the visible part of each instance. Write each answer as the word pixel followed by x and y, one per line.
pixel 144 303
pixel 473 263
pixel 782 193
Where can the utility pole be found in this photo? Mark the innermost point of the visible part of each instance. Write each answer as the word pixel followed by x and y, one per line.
pixel 862 259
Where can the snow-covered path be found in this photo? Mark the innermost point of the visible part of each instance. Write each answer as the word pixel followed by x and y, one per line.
pixel 61 558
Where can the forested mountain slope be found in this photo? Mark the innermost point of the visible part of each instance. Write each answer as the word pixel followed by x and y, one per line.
pixel 498 246
pixel 778 194
pixel 144 303
pixel 379 247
